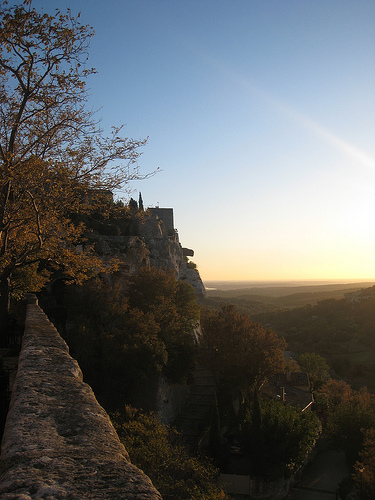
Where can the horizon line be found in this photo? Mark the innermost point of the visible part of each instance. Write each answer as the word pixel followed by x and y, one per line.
pixel 280 280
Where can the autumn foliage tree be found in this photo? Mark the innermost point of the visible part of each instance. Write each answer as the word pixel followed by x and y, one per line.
pixel 241 353
pixel 124 338
pixel 53 158
pixel 174 307
pixel 364 469
pixel 349 416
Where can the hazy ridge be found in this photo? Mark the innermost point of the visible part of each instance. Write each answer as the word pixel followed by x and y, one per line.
pixel 212 285
pixel 257 297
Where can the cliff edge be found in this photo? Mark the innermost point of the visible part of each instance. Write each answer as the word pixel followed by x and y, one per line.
pixel 155 244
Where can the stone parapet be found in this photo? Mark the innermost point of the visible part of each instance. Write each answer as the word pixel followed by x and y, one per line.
pixel 58 442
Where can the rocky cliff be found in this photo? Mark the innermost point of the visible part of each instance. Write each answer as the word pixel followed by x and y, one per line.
pixel 153 242
pixel 153 245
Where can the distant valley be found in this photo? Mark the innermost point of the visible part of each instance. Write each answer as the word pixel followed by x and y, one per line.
pixel 263 297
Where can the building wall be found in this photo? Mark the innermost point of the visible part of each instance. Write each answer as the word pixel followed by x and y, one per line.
pixel 166 215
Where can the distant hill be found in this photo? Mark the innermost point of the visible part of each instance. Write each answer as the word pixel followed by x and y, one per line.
pixel 336 321
pixel 260 299
pixel 340 330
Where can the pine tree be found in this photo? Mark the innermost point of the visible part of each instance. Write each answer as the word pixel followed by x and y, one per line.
pixel 140 202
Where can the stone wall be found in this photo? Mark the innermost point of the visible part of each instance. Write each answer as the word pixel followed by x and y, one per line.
pixel 58 441
pixel 166 215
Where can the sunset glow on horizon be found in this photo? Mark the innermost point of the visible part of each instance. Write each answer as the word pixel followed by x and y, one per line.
pixel 261 117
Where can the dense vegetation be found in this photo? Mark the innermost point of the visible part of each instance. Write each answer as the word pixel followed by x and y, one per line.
pixel 240 352
pixel 277 438
pixel 349 419
pixel 157 449
pixel 342 331
pixel 333 338
pixel 124 337
pixel 271 439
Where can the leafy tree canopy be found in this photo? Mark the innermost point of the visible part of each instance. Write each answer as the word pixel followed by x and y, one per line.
pixel 54 161
pixel 173 305
pixel 278 440
pixel 349 419
pixel 123 338
pixel 316 367
pixel 241 353
pixel 364 470
pixel 342 331
pixel 157 450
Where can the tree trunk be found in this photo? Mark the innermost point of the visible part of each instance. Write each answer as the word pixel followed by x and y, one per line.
pixel 4 310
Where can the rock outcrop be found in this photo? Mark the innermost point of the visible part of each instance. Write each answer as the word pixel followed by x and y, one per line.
pixel 154 245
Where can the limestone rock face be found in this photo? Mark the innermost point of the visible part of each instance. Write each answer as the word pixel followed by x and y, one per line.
pixel 58 441
pixel 153 246
pixel 156 246
pixel 192 277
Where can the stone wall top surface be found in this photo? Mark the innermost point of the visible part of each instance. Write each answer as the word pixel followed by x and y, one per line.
pixel 58 441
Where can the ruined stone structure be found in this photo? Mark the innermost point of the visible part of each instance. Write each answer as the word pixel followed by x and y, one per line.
pixel 58 441
pixel 166 215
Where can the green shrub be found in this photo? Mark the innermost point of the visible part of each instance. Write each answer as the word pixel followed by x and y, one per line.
pixel 157 450
pixel 277 441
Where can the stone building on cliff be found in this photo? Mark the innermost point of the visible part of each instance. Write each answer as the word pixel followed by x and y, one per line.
pixel 155 243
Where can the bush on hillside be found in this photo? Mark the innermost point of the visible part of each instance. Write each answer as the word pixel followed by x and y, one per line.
pixel 157 450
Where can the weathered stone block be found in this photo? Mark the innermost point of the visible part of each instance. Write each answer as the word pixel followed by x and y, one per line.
pixel 58 441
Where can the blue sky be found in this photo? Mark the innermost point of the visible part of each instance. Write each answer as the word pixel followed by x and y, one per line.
pixel 261 116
